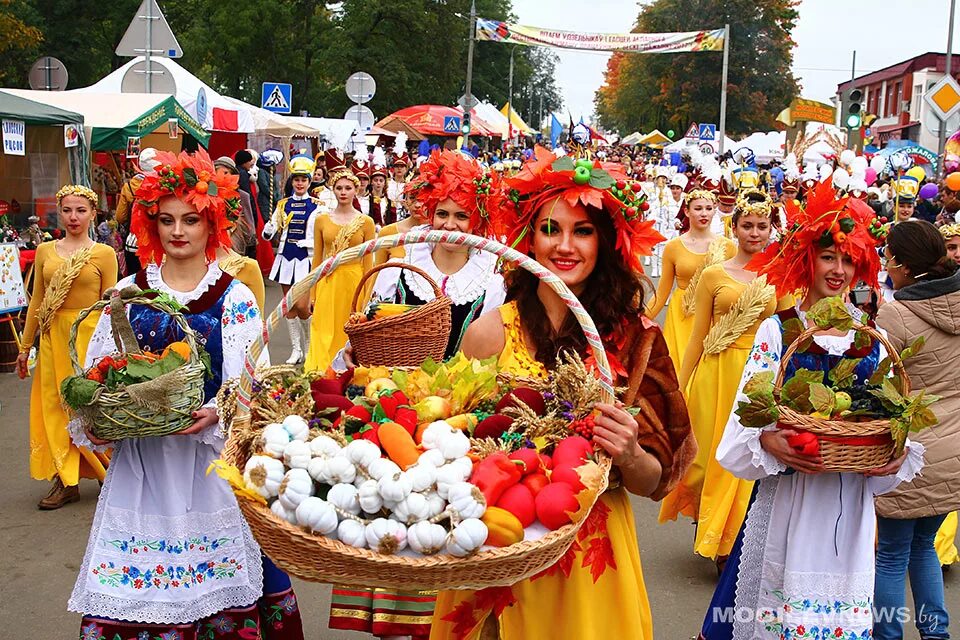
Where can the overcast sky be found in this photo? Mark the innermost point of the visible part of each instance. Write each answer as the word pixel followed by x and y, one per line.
pixel 884 32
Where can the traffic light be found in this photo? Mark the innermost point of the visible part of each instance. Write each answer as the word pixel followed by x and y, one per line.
pixel 852 109
pixel 465 126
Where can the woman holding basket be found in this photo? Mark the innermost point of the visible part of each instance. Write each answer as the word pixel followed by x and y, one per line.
pixel 71 274
pixel 169 553
pixel 804 559
pixel 585 235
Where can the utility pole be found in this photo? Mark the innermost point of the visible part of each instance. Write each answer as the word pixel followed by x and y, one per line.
pixel 723 87
pixel 510 99
pixel 473 31
pixel 942 141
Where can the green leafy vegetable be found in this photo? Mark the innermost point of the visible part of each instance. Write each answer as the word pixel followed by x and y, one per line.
pixel 823 399
pixel 78 391
pixel 842 375
pixel 757 414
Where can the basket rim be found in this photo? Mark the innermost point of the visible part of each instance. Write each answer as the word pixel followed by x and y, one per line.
pixel 440 304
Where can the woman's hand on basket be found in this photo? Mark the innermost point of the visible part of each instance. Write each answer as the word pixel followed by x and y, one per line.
pixel 775 443
pixel 615 431
pixel 348 357
pixel 94 439
pixel 203 418
pixel 888 469
pixel 22 369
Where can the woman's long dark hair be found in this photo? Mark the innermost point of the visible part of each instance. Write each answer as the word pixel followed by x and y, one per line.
pixel 613 292
pixel 919 246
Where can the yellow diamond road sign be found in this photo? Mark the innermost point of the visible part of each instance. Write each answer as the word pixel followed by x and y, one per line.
pixel 944 97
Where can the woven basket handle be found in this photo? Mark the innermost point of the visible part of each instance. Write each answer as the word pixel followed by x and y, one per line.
pixel 120 327
pixel 857 326
pixel 437 292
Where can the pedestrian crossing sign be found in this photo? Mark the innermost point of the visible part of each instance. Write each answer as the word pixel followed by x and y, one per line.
pixel 451 124
pixel 276 97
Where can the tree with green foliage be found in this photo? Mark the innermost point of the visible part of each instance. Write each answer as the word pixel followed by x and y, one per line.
pixel 668 91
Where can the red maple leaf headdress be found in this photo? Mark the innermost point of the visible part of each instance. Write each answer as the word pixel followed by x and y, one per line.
pixel 193 180
pixel 454 175
pixel 603 186
pixel 826 221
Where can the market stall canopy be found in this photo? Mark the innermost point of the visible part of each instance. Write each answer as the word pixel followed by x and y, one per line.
pixel 113 118
pixel 397 125
pixel 273 124
pixel 518 123
pixel 428 119
pixel 32 112
pixel 190 91
pixel 633 138
pixel 654 139
pixel 336 131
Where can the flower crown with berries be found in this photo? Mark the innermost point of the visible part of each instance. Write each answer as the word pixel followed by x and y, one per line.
pixel 451 174
pixel 581 182
pixel 193 180
pixel 826 221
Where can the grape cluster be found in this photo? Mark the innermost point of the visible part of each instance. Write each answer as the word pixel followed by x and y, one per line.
pixel 864 401
pixel 354 391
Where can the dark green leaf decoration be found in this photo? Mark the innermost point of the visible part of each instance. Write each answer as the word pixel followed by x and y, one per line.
pixel 842 375
pixel 190 177
pixel 563 163
pixel 212 188
pixel 796 391
pixel 830 313
pixel 600 179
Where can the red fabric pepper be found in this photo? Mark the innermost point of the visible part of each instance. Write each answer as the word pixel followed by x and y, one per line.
pixel 495 474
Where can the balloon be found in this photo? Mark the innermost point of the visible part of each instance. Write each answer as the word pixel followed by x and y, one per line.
pixel 878 163
pixel 670 133
pixel 953 181
pixel 928 191
pixel 918 173
pixel 847 156
pixel 841 178
pixel 859 165
pixel 870 175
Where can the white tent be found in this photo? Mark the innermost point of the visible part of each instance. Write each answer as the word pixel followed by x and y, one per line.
pixel 218 114
pixel 633 138
pixel 336 131
pixel 765 146
pixel 683 144
pixel 269 123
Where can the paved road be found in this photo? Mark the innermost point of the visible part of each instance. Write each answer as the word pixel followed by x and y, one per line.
pixel 42 551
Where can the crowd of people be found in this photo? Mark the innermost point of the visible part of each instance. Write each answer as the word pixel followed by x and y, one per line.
pixel 741 254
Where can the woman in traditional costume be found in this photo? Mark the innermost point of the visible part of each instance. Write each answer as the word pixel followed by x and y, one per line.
pixel 584 235
pixel 414 218
pixel 169 553
pixel 730 304
pixel 334 231
pixel 295 218
pixel 71 274
pixel 684 259
pixel 803 564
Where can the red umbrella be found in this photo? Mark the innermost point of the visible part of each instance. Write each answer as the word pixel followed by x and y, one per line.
pixel 428 119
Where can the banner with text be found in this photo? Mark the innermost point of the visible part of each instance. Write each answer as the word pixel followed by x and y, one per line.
pixel 497 31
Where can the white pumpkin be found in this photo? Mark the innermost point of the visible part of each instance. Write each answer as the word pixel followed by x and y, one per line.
pixel 394 488
pixel 263 474
pixel 453 445
pixel 464 464
pixel 369 497
pixel 426 538
pixel 435 504
pixel 422 476
pixel 353 533
pixel 413 508
pixel 332 470
pixel 432 457
pixel 447 475
pixel 297 427
pixel 317 515
pixel 432 434
pixel 467 500
pixel 382 467
pixel 466 537
pixel 362 452
pixel 344 497
pixel 290 515
pixel 386 536
pixel 296 455
pixel 297 486
pixel 324 447
pixel 273 439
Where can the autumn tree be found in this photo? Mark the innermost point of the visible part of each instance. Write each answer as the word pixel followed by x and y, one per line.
pixel 668 91
pixel 19 40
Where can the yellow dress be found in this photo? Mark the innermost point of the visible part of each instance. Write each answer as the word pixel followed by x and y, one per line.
pixel 944 542
pixel 680 264
pixel 711 495
pixel 565 601
pixel 246 270
pixel 333 294
pixel 52 453
pixel 385 255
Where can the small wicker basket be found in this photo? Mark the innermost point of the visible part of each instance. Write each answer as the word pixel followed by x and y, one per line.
pixel 405 340
pixel 845 446
pixel 119 414
pixel 320 559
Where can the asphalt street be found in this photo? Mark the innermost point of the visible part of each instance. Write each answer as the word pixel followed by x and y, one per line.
pixel 42 551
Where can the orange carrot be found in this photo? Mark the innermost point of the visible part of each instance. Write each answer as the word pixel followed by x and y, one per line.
pixel 398 443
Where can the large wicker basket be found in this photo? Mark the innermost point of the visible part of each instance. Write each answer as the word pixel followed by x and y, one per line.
pixel 405 340
pixel 173 397
pixel 844 445
pixel 320 559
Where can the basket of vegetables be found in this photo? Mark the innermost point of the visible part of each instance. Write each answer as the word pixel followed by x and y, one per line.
pixel 853 424
pixel 134 393
pixel 387 333
pixel 446 475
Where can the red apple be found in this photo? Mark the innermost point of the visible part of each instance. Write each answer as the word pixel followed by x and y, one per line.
pixel 555 504
pixel 519 501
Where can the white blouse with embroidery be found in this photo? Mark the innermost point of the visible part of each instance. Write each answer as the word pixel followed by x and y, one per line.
pixel 807 560
pixel 168 543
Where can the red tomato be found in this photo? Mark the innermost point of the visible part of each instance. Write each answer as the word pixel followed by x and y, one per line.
pixel 573 450
pixel 535 482
pixel 565 473
pixel 555 503
pixel 529 458
pixel 519 501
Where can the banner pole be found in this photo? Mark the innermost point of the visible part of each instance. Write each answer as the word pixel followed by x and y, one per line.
pixel 510 100
pixel 723 88
pixel 473 32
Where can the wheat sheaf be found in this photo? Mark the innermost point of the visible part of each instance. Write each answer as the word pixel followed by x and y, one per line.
pixel 742 315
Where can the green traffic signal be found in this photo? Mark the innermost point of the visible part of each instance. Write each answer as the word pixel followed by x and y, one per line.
pixel 853 121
